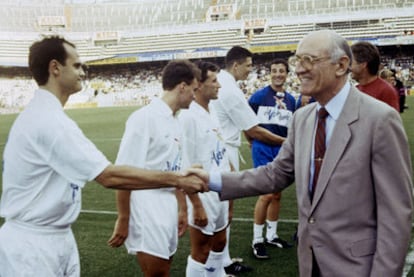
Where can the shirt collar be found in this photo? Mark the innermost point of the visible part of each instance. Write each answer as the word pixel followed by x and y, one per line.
pixel 197 107
pixel 49 97
pixel 335 105
pixel 227 75
pixel 162 107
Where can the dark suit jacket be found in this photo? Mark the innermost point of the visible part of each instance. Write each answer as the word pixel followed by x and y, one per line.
pixel 359 222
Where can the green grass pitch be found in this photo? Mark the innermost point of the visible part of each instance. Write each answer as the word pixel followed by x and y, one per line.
pixel 104 126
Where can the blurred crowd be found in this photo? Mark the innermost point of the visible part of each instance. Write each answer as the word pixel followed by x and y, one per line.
pixel 121 86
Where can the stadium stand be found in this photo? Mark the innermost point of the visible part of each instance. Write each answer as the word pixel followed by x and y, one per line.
pixel 131 32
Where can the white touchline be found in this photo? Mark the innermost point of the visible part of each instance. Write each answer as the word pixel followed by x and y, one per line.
pixel 234 219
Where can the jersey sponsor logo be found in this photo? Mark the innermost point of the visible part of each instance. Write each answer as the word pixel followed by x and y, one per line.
pixel 274 115
pixel 175 164
pixel 218 154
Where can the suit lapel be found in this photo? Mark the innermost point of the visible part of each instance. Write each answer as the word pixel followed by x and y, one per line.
pixel 340 138
pixel 304 139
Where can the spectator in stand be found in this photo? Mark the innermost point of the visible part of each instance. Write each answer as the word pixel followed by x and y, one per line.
pixel 402 91
pixel 365 67
pixel 390 77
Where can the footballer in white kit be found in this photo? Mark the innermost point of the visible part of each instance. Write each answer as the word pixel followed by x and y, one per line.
pixel 205 146
pixel 42 186
pixel 234 114
pixel 151 221
pixel 152 140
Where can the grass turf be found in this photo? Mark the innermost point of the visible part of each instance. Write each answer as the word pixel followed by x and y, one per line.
pixel 104 126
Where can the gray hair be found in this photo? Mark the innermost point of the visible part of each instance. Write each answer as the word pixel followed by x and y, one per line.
pixel 338 47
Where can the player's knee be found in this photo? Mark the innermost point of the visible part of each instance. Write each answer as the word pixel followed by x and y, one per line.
pixel 201 255
pixel 219 245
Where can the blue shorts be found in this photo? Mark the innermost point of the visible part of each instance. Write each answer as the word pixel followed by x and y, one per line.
pixel 263 153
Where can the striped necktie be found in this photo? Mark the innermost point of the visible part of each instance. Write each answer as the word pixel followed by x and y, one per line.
pixel 320 147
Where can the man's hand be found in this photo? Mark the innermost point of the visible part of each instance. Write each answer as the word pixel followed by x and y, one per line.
pixel 192 183
pixel 120 232
pixel 201 173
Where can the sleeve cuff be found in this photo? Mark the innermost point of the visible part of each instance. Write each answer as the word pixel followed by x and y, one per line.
pixel 215 181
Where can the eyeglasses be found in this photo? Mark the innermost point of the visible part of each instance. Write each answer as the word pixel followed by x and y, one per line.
pixel 307 61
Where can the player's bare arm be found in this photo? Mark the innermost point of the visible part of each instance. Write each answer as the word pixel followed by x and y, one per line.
pixel 182 212
pixel 132 178
pixel 120 232
pixel 249 139
pixel 264 135
pixel 199 214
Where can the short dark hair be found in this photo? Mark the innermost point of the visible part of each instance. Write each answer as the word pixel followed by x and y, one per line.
pixel 364 51
pixel 178 71
pixel 280 61
pixel 42 52
pixel 237 54
pixel 205 67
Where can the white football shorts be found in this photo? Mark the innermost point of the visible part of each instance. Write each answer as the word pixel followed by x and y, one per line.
pixel 27 250
pixel 217 213
pixel 153 223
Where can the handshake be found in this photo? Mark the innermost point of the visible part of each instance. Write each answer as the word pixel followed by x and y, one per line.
pixel 193 180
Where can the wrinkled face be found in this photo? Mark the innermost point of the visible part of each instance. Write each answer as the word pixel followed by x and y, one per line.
pixel 210 87
pixel 71 74
pixel 187 93
pixel 317 74
pixel 242 70
pixel 278 75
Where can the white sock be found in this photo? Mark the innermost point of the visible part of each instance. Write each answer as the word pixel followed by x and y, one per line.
pixel 258 233
pixel 226 254
pixel 194 268
pixel 214 265
pixel 271 230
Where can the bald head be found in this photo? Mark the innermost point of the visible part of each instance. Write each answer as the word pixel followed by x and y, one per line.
pixel 329 41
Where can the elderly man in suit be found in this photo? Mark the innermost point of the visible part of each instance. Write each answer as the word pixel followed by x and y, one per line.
pixel 355 218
